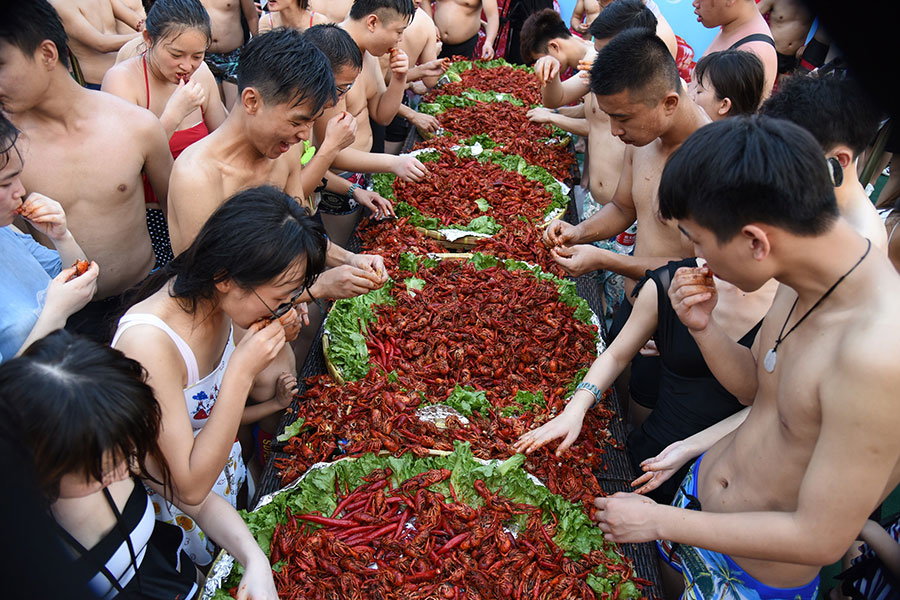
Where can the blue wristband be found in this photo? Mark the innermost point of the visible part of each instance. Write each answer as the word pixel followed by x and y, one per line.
pixel 596 392
pixel 353 188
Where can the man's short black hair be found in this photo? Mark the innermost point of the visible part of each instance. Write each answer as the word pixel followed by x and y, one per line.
pixel 362 8
pixel 835 110
pixel 749 169
pixel 337 45
pixel 26 25
pixel 636 61
pixel 284 67
pixel 538 30
pixel 620 15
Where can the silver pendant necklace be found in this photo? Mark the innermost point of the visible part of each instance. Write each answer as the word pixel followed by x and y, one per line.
pixel 772 355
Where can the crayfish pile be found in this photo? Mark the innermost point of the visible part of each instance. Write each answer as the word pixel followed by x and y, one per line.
pixel 454 355
pixel 455 184
pixel 379 414
pixel 509 127
pixel 520 243
pixel 497 330
pixel 391 238
pixel 519 82
pixel 413 543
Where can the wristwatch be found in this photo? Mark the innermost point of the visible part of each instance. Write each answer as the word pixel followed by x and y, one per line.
pixel 593 389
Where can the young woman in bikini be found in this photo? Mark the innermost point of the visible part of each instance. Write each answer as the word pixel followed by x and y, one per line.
pixel 170 79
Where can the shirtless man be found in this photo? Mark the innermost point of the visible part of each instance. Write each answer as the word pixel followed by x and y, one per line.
pixel 458 23
pixel 789 21
pixel 742 27
pixel 227 38
pixel 780 493
pixel 85 149
pixel 844 121
pixel 544 34
pixel 583 15
pixel 257 145
pixel 93 38
pixel 376 26
pixel 649 110
pixel 420 45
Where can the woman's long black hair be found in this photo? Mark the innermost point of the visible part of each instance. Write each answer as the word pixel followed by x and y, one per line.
pixel 253 238
pixel 74 402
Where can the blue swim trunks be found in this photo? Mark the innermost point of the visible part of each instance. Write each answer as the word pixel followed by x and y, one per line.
pixel 709 574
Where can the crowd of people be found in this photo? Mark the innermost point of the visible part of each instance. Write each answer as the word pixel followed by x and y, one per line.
pixel 202 166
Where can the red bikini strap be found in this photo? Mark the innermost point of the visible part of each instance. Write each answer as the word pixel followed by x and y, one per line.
pixel 146 79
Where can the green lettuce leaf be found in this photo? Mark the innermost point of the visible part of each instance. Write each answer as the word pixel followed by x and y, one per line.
pixel 483 205
pixel 291 430
pixel 467 400
pixel 413 285
pixel 408 262
pixel 525 401
pixel 483 261
pixel 483 224
pixel 346 323
pixel 383 185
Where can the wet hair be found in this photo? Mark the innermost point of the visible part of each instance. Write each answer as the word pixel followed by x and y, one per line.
pixel 538 30
pixel 749 169
pixel 26 25
pixel 636 61
pixel 171 17
pixel 337 45
pixel 621 15
pixel 75 402
pixel 284 67
pixel 835 110
pixel 8 136
pixel 404 9
pixel 254 237
pixel 736 75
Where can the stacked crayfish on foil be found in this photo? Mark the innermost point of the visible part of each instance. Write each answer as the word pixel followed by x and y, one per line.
pixel 452 356
pixel 424 545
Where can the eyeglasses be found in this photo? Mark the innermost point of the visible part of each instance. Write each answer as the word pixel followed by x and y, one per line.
pixel 281 309
pixel 343 90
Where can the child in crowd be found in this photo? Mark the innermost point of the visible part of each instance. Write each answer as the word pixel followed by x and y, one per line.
pixel 171 80
pixel 728 83
pixel 37 294
pixel 92 450
pixel 244 270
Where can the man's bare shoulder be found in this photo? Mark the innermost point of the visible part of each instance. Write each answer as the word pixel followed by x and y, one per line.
pixel 197 164
pixel 119 113
pixel 872 328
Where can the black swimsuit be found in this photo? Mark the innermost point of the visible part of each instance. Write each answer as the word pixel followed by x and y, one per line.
pixel 108 568
pixel 690 399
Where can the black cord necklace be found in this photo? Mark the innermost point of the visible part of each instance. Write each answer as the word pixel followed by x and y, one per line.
pixel 771 356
